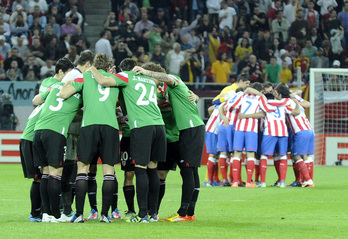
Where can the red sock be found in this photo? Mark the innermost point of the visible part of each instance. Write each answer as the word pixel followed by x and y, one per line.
pixel 283 168
pixel 210 167
pixel 302 168
pixel 223 167
pixel 296 172
pixel 230 174
pixel 216 172
pixel 276 165
pixel 250 169
pixel 263 170
pixel 240 173
pixel 310 164
pixel 257 170
pixel 235 170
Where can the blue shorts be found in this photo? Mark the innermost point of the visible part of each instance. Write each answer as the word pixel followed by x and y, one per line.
pixel 259 141
pixel 211 140
pixel 303 143
pixel 243 139
pixel 225 138
pixel 271 144
pixel 290 139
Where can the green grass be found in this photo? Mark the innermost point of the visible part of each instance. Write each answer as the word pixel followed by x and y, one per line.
pixel 221 212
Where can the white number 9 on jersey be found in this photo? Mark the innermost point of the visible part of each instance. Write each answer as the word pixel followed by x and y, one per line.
pixel 105 92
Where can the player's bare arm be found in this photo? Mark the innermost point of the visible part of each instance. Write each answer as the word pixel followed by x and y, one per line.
pixel 102 80
pixel 296 111
pixel 193 97
pixel 258 115
pixel 67 90
pixel 252 91
pixel 37 100
pixel 223 116
pixel 163 77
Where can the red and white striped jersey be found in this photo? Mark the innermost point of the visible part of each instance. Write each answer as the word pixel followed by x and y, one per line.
pixel 250 104
pixel 275 124
pixel 299 122
pixel 232 113
pixel 213 123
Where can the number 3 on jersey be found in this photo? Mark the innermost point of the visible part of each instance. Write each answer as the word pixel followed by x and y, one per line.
pixel 60 104
pixel 152 97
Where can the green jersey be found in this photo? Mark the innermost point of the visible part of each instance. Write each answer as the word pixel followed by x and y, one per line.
pixel 57 113
pixel 185 112
pixel 99 103
pixel 141 100
pixel 172 131
pixel 28 132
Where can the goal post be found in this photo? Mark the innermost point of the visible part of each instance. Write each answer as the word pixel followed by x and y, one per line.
pixel 329 115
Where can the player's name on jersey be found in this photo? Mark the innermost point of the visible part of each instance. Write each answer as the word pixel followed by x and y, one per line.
pixel 139 78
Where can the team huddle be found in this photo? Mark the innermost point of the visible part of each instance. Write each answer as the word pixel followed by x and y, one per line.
pixel 78 114
pixel 264 122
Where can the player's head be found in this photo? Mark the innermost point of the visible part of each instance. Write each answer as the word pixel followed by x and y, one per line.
pixel 63 66
pixel 103 61
pixel 154 67
pixel 256 86
pixel 86 59
pixel 127 64
pixel 282 91
pixel 268 87
pixel 243 80
pixel 239 89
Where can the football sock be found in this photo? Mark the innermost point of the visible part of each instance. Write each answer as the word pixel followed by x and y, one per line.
pixel 115 196
pixel 276 165
pixel 257 170
pixel 310 167
pixel 35 199
pixel 223 166
pixel 210 167
pixel 54 188
pixel 296 172
pixel 154 187
pixel 216 172
pixel 302 168
pixel 188 185
pixel 66 197
pixel 129 193
pixel 230 166
pixel 236 169
pixel 142 187
pixel 81 188
pixel 161 192
pixel 108 189
pixel 250 169
pixel 45 199
pixel 283 168
pixel 263 168
pixel 192 205
pixel 92 191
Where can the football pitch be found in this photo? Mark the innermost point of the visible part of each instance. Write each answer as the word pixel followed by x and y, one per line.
pixel 221 212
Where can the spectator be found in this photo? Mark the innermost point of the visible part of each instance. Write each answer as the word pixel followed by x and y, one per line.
pixel 285 73
pixel 264 5
pixel 54 25
pixel 134 10
pixel 343 16
pixel 68 27
pixel 258 22
pixel 335 40
pixel 103 45
pixel 293 48
pixel 262 48
pixel 112 25
pixel 280 27
pixel 311 15
pixel 332 23
pixel 201 68
pixel 129 37
pixel 227 17
pixel 63 45
pixel 122 51
pixel 158 56
pixel 205 27
pixel 324 5
pixel 48 34
pixel 185 45
pixel 36 34
pixel 320 61
pixel 187 69
pixel 327 50
pixel 213 7
pixel 299 28
pixel 5 29
pixel 273 71
pixel 41 3
pixel 316 37
pixel 242 27
pixel 290 10
pixel 59 18
pixel 167 41
pixel 36 49
pixel 31 76
pixel 2 75
pixel 221 69
pixel 186 28
pixel 162 20
pixel 38 17
pixel 78 39
pixel 52 49
pixel 272 13
pixel 285 56
pixel 31 65
pixel 14 73
pixel 4 15
pixel 76 17
pixel 275 50
pixel 154 37
pixel 35 25
pixel 310 50
pixel 4 47
pixel 226 43
pixel 174 59
pixel 125 15
pixel 214 44
pixel 19 11
pixel 303 62
pixel 57 4
pixel 143 24
pixel 48 69
pixel 19 27
pixel 244 46
pixel 253 69
pixel 21 43
pixel 72 54
pixel 13 56
pixel 180 8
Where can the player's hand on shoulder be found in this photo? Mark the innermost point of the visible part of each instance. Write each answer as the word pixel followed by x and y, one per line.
pixel 138 70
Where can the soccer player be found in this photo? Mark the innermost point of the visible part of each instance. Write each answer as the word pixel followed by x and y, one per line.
pixel 246 133
pixel 26 150
pixel 98 135
pixel 49 142
pixel 191 139
pixel 147 139
pixel 69 167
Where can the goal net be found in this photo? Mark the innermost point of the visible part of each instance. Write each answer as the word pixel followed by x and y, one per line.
pixel 329 115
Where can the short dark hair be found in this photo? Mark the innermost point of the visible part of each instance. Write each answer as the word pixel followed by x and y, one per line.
pixel 127 64
pixel 64 64
pixel 244 77
pixel 283 89
pixel 256 86
pixel 267 85
pixel 85 56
